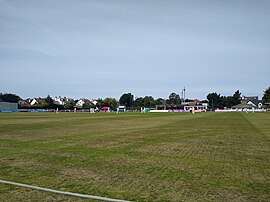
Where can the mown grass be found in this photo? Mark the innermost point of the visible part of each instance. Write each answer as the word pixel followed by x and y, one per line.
pixel 138 157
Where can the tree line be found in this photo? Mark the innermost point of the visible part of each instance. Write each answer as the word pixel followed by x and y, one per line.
pixel 214 99
pixel 127 99
pixel 133 103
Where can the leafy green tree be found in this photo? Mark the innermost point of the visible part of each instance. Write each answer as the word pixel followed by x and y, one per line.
pixel 226 101
pixel 266 96
pixel 69 105
pixel 8 97
pixel 214 100
pixel 139 103
pixel 49 102
pixel 217 101
pixel 159 101
pixel 148 101
pixel 88 106
pixel 236 98
pixel 111 102
pixel 174 99
pixel 126 99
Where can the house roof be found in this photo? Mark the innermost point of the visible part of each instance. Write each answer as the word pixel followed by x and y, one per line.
pixel 254 99
pixel 86 101
pixel 40 100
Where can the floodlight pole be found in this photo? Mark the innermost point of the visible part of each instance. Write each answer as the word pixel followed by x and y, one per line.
pixel 184 94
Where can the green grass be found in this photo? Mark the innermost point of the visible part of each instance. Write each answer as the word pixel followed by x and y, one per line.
pixel 138 157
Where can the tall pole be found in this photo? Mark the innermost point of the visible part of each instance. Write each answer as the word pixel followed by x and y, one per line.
pixel 184 93
pixel 182 96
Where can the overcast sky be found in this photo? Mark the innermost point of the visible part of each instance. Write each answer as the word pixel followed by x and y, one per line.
pixel 104 48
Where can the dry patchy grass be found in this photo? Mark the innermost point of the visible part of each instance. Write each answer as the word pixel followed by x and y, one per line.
pixel 140 157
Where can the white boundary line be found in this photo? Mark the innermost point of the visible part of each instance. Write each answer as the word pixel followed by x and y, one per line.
pixel 62 192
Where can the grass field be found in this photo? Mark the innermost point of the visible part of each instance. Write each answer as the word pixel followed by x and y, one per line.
pixel 137 157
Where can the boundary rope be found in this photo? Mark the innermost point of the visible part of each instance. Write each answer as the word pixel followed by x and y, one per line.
pixel 63 192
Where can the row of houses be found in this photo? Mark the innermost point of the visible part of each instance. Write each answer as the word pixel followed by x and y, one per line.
pixel 58 100
pixel 250 102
